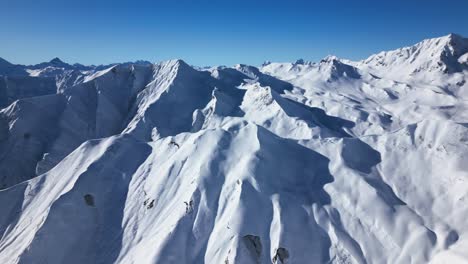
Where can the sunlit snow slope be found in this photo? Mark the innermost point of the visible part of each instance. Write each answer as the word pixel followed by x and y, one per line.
pixel 329 162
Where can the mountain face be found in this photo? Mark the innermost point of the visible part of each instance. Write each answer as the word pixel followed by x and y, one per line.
pixel 328 162
pixel 432 55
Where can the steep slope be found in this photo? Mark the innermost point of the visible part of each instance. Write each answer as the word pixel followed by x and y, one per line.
pixel 96 174
pixel 13 88
pixel 27 128
pixel 175 88
pixel 94 108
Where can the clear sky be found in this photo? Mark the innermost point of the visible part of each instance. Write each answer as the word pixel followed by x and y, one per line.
pixel 209 32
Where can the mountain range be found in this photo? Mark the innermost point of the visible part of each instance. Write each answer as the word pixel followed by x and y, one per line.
pixel 335 161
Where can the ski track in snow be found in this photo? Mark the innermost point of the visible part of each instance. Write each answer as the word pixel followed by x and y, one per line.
pixel 329 162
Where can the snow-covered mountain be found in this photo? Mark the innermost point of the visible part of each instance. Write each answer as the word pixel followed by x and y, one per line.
pixel 432 55
pixel 328 162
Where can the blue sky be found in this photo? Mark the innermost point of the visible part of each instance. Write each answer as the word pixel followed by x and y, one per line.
pixel 209 32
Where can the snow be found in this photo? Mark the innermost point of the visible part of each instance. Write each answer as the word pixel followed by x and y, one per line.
pixel 329 162
pixel 431 55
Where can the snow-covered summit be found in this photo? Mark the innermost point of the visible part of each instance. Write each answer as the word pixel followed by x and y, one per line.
pixel 334 68
pixel 431 55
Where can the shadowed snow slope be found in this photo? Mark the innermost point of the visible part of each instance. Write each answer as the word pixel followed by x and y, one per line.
pixel 329 162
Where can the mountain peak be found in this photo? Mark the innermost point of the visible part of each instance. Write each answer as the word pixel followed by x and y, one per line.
pixel 330 58
pixel 458 43
pixel 432 55
pixel 4 62
pixel 56 61
pixel 456 36
pixel 59 63
pixel 299 61
pixel 178 62
pixel 7 68
pixel 175 67
pixel 452 40
pixel 335 69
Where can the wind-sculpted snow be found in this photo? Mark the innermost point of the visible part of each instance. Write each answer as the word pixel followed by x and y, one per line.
pixel 328 162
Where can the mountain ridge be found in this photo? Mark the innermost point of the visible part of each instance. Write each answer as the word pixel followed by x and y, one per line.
pixel 454 42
